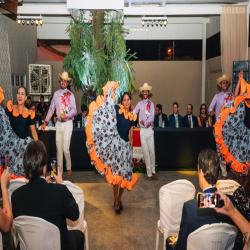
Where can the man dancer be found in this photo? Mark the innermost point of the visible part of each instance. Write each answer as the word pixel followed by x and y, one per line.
pixel 64 103
pixel 146 120
pixel 218 101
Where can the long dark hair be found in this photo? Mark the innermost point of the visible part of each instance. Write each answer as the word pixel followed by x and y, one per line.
pixel 203 104
pixel 129 95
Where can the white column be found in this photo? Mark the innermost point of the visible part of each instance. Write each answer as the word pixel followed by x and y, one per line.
pixel 203 69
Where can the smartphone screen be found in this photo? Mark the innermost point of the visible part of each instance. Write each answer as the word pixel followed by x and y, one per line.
pixel 53 167
pixel 207 200
pixel 3 163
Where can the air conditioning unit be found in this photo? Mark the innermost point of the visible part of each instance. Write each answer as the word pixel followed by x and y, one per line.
pixel 40 79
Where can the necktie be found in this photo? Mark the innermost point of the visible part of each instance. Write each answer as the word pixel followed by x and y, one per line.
pixel 189 118
pixel 175 120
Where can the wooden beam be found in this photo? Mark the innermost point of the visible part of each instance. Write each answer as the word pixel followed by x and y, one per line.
pixel 10 6
pixel 46 46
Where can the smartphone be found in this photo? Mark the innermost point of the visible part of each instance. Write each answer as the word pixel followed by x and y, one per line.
pixel 53 165
pixel 208 200
pixel 3 163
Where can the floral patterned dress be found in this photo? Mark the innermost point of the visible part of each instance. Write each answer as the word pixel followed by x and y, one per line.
pixel 107 138
pixel 12 146
pixel 231 133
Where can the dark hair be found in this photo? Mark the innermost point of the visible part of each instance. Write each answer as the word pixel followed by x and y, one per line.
pixel 159 106
pixel 22 87
pixel 83 107
pixel 191 106
pixel 208 162
pixel 41 96
pixel 29 98
pixel 176 103
pixel 34 160
pixel 203 104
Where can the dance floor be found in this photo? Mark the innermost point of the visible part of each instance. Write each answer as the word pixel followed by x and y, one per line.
pixel 135 228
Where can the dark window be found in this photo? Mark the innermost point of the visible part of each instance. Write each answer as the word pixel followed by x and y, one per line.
pixel 161 50
pixel 213 46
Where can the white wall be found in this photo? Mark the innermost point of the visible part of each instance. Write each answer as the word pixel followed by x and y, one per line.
pixel 213 27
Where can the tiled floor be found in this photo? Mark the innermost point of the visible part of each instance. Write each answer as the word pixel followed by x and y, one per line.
pixel 135 228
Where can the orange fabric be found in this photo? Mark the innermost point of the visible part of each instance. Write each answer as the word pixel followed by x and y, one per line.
pixel 112 179
pixel 16 114
pixel 1 95
pixel 229 158
pixel 13 176
pixel 128 115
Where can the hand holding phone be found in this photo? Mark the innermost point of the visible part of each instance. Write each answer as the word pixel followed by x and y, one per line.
pixel 228 207
pixel 53 168
pixel 208 200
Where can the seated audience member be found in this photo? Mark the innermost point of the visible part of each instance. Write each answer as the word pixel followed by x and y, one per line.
pixel 175 117
pixel 38 118
pixel 160 117
pixel 242 223
pixel 189 118
pixel 242 199
pixel 193 217
pixel 203 117
pixel 82 116
pixel 40 198
pixel 6 213
pixel 28 103
pixel 42 107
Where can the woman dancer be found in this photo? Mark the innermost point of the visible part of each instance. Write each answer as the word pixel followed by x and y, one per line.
pixel 11 145
pixel 20 117
pixel 232 130
pixel 110 140
pixel 203 117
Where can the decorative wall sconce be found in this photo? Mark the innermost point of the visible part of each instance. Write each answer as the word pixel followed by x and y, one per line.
pixel 30 20
pixel 154 21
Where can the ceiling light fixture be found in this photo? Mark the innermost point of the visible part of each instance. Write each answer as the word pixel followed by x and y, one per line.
pixel 30 20
pixel 155 21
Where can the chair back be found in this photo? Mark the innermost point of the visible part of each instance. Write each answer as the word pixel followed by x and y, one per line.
pixel 227 186
pixel 37 234
pixel 172 197
pixel 15 184
pixel 215 236
pixel 79 198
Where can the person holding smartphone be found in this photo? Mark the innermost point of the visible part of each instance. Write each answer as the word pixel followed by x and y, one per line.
pixel 14 132
pixel 194 217
pixel 6 216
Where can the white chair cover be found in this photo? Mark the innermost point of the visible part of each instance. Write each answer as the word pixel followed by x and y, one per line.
pixel 227 186
pixel 212 237
pixel 80 224
pixel 1 242
pixel 37 234
pixel 172 197
pixel 15 184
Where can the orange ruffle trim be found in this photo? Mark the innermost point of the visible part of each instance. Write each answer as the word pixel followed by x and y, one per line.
pixel 13 177
pixel 16 114
pixel 229 158
pixel 128 115
pixel 1 95
pixel 112 179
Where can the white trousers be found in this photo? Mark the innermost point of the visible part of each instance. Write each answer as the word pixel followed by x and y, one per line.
pixel 148 149
pixel 63 137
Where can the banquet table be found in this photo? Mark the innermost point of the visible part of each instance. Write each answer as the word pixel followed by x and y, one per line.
pixel 175 149
pixel 80 159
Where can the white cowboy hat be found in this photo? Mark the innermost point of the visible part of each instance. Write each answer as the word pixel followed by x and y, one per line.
pixel 65 76
pixel 223 78
pixel 145 87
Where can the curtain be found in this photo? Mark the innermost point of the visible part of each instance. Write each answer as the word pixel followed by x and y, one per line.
pixel 5 69
pixel 234 45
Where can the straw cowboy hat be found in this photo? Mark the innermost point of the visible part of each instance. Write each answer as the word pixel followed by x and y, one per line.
pixel 65 76
pixel 223 78
pixel 145 87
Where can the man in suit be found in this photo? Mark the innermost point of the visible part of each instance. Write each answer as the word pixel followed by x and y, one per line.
pixel 38 118
pixel 192 217
pixel 51 202
pixel 82 116
pixel 160 117
pixel 190 118
pixel 175 117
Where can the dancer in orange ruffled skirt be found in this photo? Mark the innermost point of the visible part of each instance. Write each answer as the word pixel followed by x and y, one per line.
pixel 232 130
pixel 110 140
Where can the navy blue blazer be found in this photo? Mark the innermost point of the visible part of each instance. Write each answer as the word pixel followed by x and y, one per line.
pixel 172 120
pixel 194 218
pixel 186 122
